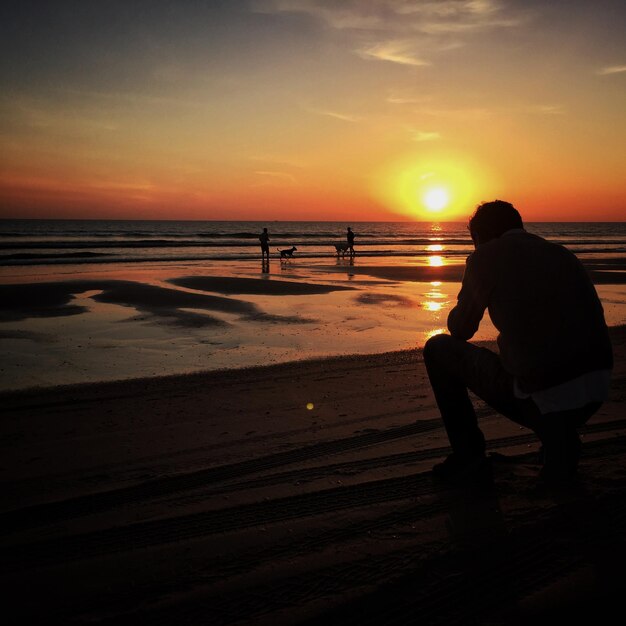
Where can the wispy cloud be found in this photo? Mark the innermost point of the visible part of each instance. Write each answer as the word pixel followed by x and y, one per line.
pixel 406 98
pixel 548 109
pixel 130 98
pixel 464 113
pixel 47 116
pixel 275 159
pixel 399 15
pixel 406 32
pixel 271 178
pixel 339 15
pixel 612 69
pixel 380 21
pixel 401 52
pixel 420 135
pixel 116 185
pixel 344 117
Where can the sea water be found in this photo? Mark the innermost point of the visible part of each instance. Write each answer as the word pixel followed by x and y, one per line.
pixel 46 242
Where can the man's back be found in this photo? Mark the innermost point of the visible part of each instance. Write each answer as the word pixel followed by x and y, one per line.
pixel 544 305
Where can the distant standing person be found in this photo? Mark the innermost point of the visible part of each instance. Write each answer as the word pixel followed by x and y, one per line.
pixel 264 238
pixel 350 237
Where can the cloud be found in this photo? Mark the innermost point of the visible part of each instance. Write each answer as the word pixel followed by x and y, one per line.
pixel 419 135
pixel 397 98
pixel 344 117
pixel 548 109
pixel 382 29
pixel 613 69
pixel 51 117
pixel 338 15
pixel 134 98
pixel 462 113
pixel 400 16
pixel 271 178
pixel 275 159
pixel 394 51
pixel 284 177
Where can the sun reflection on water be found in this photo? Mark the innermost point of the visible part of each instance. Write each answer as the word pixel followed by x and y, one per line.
pixel 435 302
pixel 436 261
pixel 432 333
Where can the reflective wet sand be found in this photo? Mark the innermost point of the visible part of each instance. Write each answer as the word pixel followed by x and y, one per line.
pixel 69 325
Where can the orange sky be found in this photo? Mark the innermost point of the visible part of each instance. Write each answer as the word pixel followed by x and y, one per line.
pixel 305 109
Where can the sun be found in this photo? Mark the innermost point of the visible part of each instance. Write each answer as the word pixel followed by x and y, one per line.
pixel 442 187
pixel 436 199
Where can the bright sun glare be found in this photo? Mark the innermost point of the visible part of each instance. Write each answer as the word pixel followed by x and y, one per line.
pixel 436 199
pixel 444 188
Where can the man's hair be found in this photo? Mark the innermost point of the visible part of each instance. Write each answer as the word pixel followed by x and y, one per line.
pixel 492 219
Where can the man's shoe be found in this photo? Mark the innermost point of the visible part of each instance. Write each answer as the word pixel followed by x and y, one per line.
pixel 463 469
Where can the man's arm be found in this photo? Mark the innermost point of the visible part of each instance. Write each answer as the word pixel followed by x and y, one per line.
pixel 465 317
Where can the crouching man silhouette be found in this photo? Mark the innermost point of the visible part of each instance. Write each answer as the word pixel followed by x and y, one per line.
pixel 555 361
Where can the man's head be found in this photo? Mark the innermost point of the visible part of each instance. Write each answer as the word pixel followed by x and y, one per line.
pixel 492 219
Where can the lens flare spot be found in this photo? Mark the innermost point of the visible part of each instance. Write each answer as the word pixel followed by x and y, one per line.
pixel 310 406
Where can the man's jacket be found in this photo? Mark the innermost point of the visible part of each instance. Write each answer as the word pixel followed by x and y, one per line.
pixel 544 305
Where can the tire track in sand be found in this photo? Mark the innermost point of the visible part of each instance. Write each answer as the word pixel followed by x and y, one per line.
pixel 40 515
pixel 169 530
pixel 421 588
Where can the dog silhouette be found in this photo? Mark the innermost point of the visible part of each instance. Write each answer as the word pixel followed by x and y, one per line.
pixel 288 253
pixel 341 248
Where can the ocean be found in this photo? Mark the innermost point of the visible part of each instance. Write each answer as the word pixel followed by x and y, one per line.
pixel 47 242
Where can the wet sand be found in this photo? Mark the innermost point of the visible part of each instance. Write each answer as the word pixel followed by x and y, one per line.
pixel 90 324
pixel 131 323
pixel 296 493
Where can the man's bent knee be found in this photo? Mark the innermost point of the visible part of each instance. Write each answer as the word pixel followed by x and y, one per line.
pixel 437 346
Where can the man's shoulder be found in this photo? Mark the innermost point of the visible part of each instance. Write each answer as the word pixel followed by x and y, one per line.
pixel 514 240
pixel 511 246
pixel 519 249
pixel 535 244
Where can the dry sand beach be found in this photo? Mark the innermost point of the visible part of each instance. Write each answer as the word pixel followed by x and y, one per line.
pixel 293 493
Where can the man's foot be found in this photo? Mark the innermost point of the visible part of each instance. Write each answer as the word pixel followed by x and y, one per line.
pixel 458 469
